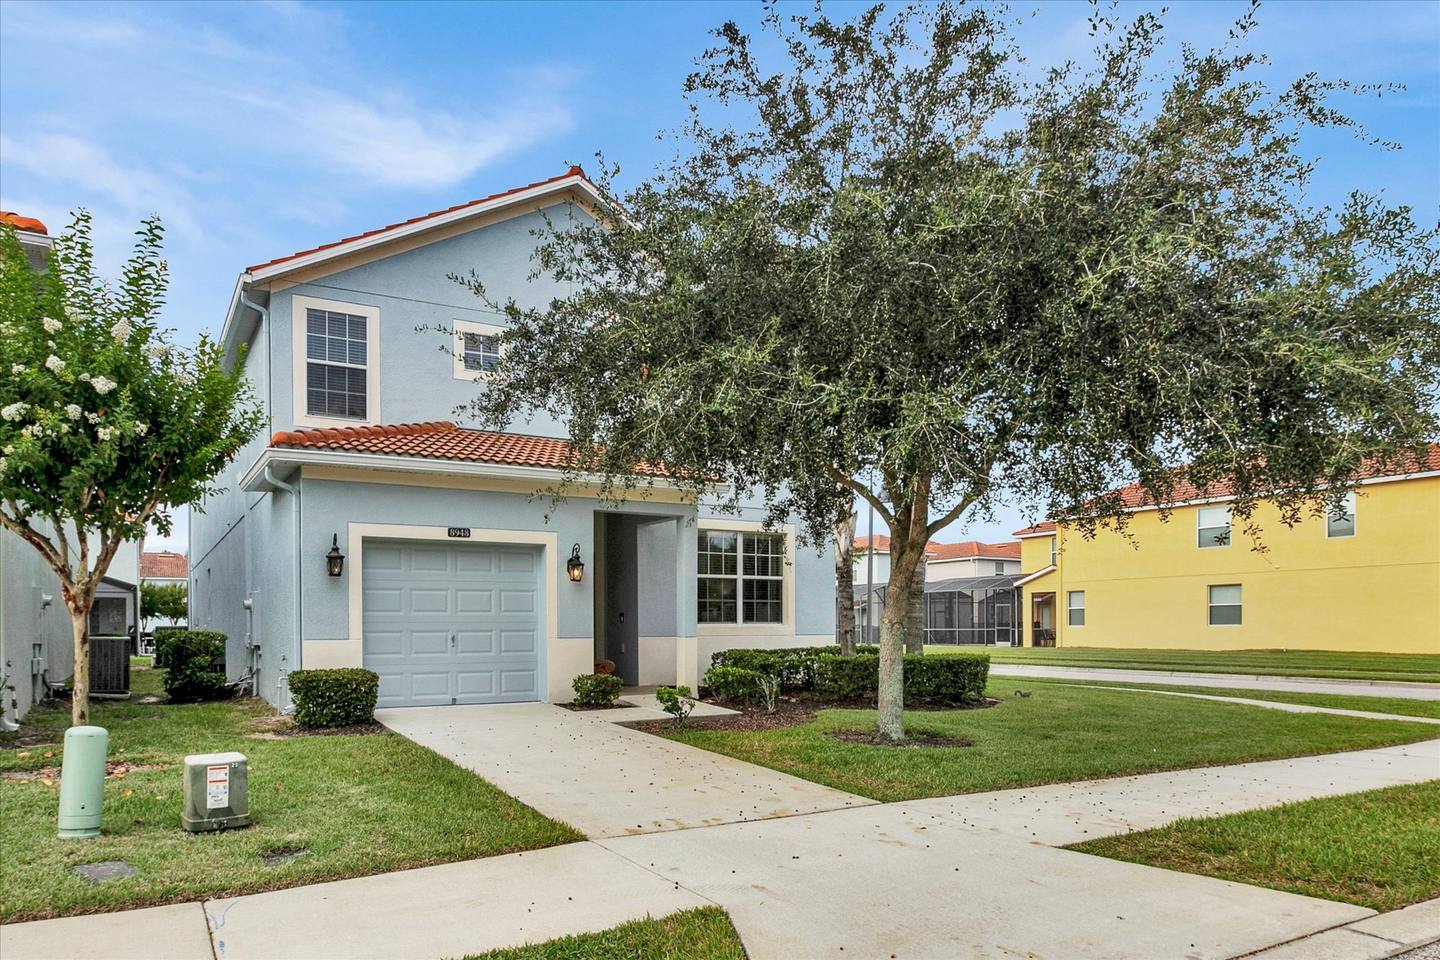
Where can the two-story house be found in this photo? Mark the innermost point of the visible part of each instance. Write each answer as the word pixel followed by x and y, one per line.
pixel 1364 577
pixel 365 529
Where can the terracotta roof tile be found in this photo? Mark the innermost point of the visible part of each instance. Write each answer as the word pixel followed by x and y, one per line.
pixel 20 222
pixel 574 171
pixel 972 550
pixel 1047 526
pixel 164 565
pixel 437 440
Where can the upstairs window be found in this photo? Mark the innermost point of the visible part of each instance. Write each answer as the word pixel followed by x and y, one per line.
pixel 999 566
pixel 336 364
pixel 1340 517
pixel 740 577
pixel 1213 527
pixel 476 349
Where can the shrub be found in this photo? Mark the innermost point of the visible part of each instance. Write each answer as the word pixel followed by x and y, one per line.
pixel 165 636
pixel 676 701
pixel 847 678
pixel 334 698
pixel 769 692
pixel 947 679
pixel 794 667
pixel 194 662
pixel 596 689
pixel 736 684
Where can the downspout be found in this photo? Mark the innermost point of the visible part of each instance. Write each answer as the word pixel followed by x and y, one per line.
pixel 294 658
pixel 269 379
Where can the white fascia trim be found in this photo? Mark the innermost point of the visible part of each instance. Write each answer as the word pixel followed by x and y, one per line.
pixel 429 223
pixel 1036 575
pixel 253 480
pixel 232 312
pixel 33 239
pixel 1031 536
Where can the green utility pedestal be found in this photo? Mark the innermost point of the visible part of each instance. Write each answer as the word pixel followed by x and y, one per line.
pixel 82 781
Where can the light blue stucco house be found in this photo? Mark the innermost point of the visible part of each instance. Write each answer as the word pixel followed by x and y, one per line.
pixel 454 585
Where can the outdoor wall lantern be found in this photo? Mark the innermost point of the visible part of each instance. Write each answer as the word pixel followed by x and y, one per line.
pixel 575 567
pixel 334 560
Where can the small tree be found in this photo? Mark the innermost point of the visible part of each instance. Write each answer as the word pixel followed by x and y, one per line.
pixel 105 427
pixel 164 601
pixel 891 266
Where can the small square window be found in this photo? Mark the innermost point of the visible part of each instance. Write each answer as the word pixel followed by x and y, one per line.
pixel 1340 517
pixel 1225 605
pixel 1075 608
pixel 482 351
pixel 1213 525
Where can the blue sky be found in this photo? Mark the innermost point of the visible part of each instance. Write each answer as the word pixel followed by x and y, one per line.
pixel 260 129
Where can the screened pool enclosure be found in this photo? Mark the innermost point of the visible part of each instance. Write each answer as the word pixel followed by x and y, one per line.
pixel 970 610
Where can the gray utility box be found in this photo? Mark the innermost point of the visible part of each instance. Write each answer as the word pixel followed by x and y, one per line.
pixel 217 795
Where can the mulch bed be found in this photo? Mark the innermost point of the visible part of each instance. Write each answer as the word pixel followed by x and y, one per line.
pixel 285 728
pixel 617 705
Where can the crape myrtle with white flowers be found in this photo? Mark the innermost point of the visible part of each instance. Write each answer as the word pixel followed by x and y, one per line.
pixel 105 425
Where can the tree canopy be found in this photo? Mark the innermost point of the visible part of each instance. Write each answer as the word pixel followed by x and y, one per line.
pixel 105 426
pixel 891 265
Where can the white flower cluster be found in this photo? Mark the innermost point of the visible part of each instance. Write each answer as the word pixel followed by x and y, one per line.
pixel 51 325
pixel 185 377
pixel 121 330
pixel 141 428
pixel 33 430
pixel 158 351
pixel 54 363
pixel 102 385
pixel 105 433
pixel 73 411
pixel 15 410
pixel 93 417
pixel 18 368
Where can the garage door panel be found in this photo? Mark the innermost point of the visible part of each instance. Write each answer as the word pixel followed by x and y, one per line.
pixel 452 623
pixel 474 601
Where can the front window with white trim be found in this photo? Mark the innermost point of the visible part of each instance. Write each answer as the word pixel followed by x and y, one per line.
pixel 1212 527
pixel 1075 608
pixel 1340 517
pixel 1225 605
pixel 740 577
pixel 336 364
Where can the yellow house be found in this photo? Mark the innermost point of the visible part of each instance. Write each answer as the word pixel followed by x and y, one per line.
pixel 1367 578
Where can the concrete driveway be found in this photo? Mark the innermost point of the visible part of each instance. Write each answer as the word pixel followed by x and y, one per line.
pixel 603 779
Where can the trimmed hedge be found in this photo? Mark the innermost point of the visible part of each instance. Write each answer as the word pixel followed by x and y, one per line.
pixel 596 689
pixel 793 666
pixel 334 698
pixel 734 684
pixel 949 680
pixel 194 664
pixel 165 636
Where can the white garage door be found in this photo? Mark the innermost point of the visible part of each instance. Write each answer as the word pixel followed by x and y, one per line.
pixel 452 623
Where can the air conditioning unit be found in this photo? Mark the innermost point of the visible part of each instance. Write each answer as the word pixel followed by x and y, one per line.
pixel 216 794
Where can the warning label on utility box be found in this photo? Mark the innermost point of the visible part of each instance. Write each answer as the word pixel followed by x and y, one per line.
pixel 217 786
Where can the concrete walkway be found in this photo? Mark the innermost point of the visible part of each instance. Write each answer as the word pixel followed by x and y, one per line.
pixel 1272 704
pixel 1233 681
pixel 975 876
pixel 1393 934
pixel 606 780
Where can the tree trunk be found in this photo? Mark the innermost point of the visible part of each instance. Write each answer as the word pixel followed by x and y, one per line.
pixel 898 592
pixel 915 615
pixel 845 584
pixel 80 684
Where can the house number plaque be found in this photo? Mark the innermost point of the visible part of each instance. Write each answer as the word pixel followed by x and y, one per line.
pixel 462 532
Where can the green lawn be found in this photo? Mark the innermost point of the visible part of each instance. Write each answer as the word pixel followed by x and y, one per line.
pixel 357 804
pixel 702 934
pixel 1393 705
pixel 1058 733
pixel 1412 667
pixel 1379 849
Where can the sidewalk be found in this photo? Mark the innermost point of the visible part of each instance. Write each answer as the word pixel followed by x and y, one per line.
pixel 1233 681
pixel 973 876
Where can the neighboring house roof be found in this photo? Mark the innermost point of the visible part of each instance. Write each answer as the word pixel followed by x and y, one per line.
pixel 966 550
pixel 164 565
pixel 378 232
pixel 1134 497
pixel 973 550
pixel 21 222
pixel 438 440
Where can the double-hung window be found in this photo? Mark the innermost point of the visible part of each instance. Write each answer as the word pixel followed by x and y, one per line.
pixel 740 577
pixel 336 364
pixel 1212 527
pixel 1340 518
pixel 1075 608
pixel 1225 605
